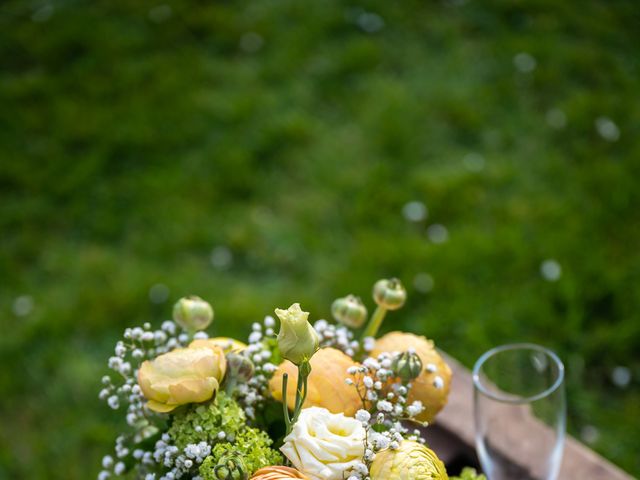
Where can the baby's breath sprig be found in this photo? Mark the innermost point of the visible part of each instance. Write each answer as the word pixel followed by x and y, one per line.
pixel 383 384
pixel 252 394
pixel 339 337
pixel 121 390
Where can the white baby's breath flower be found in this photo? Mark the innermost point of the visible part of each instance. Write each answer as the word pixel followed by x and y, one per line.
pixel 363 416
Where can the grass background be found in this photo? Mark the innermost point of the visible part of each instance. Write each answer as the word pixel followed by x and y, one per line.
pixel 286 137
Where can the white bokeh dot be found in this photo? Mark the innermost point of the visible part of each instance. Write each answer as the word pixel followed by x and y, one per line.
pixel 415 211
pixel 160 13
pixel 43 13
pixel 474 162
pixel 524 62
pixel 370 22
pixel 23 305
pixel 551 270
pixel 423 282
pixel 607 129
pixel 556 118
pixel 251 42
pixel 621 376
pixel 221 257
pixel 589 434
pixel 158 293
pixel 437 233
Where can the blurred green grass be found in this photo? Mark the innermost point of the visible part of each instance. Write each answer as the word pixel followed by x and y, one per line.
pixel 137 137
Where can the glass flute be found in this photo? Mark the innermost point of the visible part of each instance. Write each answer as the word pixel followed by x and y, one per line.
pixel 519 412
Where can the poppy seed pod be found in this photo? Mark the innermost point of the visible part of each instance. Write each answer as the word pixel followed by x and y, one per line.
pixel 349 311
pixel 407 365
pixel 192 313
pixel 389 293
pixel 239 367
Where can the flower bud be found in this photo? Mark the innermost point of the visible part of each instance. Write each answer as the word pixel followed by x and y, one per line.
pixel 407 365
pixel 239 367
pixel 349 311
pixel 389 293
pixel 192 313
pixel 297 340
pixel 230 467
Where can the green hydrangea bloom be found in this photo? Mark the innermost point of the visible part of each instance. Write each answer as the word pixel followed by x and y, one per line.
pixel 469 474
pixel 198 423
pixel 251 444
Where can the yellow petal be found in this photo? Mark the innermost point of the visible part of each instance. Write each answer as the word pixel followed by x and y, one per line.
pixel 160 407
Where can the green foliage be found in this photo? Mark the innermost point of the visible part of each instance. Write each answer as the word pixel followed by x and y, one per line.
pixel 221 415
pixel 469 474
pixel 251 444
pixel 135 138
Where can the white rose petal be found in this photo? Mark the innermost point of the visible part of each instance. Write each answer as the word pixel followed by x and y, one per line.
pixel 324 445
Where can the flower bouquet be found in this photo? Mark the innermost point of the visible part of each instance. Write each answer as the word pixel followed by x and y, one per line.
pixel 315 402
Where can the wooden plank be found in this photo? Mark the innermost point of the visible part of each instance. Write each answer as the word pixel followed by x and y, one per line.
pixel 579 462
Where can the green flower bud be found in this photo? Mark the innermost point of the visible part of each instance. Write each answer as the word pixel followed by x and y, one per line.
pixel 297 340
pixel 192 313
pixel 231 467
pixel 349 311
pixel 407 365
pixel 389 293
pixel 239 367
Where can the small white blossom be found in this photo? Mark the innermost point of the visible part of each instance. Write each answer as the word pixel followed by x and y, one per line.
pixel 363 416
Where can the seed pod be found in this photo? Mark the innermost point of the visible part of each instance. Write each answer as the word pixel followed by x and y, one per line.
pixel 239 367
pixel 407 365
pixel 192 313
pixel 389 293
pixel 349 311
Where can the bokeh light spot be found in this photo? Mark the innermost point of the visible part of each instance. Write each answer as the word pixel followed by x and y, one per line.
pixel 415 211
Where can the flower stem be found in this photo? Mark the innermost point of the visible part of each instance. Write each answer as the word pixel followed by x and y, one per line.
pixel 374 323
pixel 287 420
pixel 304 370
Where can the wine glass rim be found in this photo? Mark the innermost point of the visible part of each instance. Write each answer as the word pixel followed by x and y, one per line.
pixel 514 346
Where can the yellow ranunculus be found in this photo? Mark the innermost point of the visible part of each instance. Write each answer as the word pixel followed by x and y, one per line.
pixel 412 461
pixel 184 375
pixel 278 473
pixel 431 387
pixel 226 344
pixel 326 384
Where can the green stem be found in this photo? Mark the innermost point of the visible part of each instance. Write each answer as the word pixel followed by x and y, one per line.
pixel 374 323
pixel 304 370
pixel 287 420
pixel 298 404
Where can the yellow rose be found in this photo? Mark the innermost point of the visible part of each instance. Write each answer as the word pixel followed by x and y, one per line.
pixel 278 473
pixel 226 344
pixel 184 375
pixel 326 385
pixel 431 387
pixel 412 461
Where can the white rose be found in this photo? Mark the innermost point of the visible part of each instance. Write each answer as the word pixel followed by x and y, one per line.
pixel 325 445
